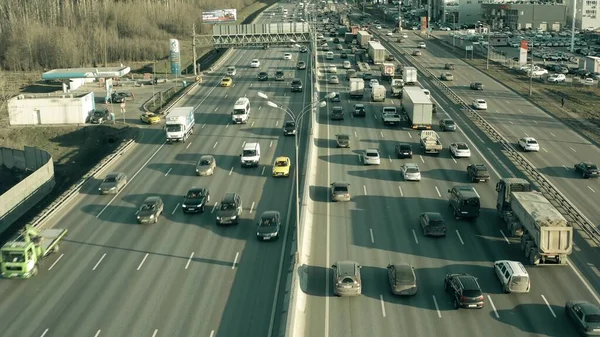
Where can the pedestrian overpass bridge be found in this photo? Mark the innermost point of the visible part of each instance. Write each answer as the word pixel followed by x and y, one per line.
pixel 259 34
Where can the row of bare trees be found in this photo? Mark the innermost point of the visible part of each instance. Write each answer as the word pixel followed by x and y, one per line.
pixel 44 34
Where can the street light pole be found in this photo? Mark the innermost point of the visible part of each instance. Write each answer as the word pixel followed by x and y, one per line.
pixel 531 71
pixel 487 62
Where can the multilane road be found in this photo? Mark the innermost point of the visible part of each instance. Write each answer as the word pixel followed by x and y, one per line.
pixel 380 225
pixel 183 276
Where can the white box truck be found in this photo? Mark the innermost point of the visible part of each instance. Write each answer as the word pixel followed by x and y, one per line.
pixel 418 107
pixel 357 88
pixel 363 38
pixel 409 75
pixel 179 124
pixel 377 52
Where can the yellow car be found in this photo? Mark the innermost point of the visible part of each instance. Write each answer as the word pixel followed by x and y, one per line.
pixel 150 118
pixel 226 82
pixel 281 167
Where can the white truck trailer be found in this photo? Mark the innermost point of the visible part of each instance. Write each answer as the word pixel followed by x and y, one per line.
pixel 363 37
pixel 546 236
pixel 357 88
pixel 409 75
pixel 431 142
pixel 418 107
pixel 377 52
pixel 179 124
pixel 378 93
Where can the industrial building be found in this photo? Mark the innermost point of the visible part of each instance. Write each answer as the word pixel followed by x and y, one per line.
pixel 525 15
pixel 586 13
pixel 50 109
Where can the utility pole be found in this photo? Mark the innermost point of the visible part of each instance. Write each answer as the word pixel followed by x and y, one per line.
pixel 399 15
pixel 194 48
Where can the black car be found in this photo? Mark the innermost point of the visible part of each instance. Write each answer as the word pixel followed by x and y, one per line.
pixel 464 290
pixel 403 150
pixel 367 76
pixel 289 128
pixel 279 75
pixel 587 170
pixel 296 85
pixel 343 55
pixel 336 40
pixel 301 65
pixel 119 97
pixel 433 224
pixel 263 76
pixel 195 200
pixel 337 113
pixel 230 209
pixel 100 116
pixel 360 110
pixel 303 49
pixel 342 140
pixel 476 86
pixel 478 172
pixel 447 124
pixel 268 226
pixel 336 97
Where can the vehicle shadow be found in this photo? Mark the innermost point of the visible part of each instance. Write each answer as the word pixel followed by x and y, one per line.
pixel 378 174
pixel 319 193
pixel 325 143
pixel 112 213
pixel 91 186
pixel 227 162
pixel 313 280
pixel 262 131
pixel 551 327
pixel 344 159
pixel 561 172
pixel 191 158
pixel 179 169
pixel 446 175
pixel 212 118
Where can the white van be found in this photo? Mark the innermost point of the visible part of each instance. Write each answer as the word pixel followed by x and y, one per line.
pixel 329 55
pixel 513 276
pixel 231 71
pixel 250 155
pixel 241 111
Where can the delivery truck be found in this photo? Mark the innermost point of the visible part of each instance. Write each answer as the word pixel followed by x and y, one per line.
pixel 546 236
pixel 357 88
pixel 388 70
pixel 431 142
pixel 179 124
pixel 377 52
pixel 397 84
pixel 363 38
pixel 418 107
pixel 409 75
pixel 378 93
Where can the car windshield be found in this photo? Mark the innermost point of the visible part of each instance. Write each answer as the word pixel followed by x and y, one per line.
pixel 281 163
pixel 412 170
pixel 472 201
pixel 204 162
pixel 404 148
pixel 195 194
pixel 592 318
pixel 531 141
pixel 343 137
pixel 248 153
pixel 347 280
pixel 462 146
pixel 389 110
pixel 98 113
pixel 267 222
pixel 148 207
pixel 340 189
pixel 225 206
pixel 110 180
pixel 480 101
pixel 337 109
pixel 592 167
pixel 449 122
pixel 279 73
pixel 290 124
pixel 239 111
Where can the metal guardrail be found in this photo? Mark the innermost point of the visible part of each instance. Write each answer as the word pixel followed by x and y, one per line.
pixel 544 185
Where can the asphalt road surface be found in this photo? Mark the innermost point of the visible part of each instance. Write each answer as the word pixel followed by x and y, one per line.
pixel 183 276
pixel 380 224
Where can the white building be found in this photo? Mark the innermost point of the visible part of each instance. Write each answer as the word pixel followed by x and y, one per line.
pixel 586 13
pixel 46 109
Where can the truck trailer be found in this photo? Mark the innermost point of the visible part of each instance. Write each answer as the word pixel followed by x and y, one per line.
pixel 363 38
pixel 546 236
pixel 418 107
pixel 179 124
pixel 409 75
pixel 377 52
pixel 357 88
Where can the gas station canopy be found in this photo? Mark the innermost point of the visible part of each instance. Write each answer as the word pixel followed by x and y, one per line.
pixel 63 74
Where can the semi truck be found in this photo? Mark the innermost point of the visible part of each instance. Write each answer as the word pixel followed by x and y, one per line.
pixel 363 38
pixel 20 257
pixel 179 124
pixel 409 75
pixel 546 236
pixel 376 52
pixel 378 93
pixel 357 88
pixel 388 70
pixel 418 107
pixel 431 142
pixel 397 85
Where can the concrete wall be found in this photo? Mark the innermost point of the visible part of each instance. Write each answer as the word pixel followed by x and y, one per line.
pixel 50 109
pixel 27 193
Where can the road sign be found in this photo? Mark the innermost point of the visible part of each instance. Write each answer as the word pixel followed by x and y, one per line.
pixel 469 47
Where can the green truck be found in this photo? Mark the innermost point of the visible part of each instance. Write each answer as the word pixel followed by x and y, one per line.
pixel 20 257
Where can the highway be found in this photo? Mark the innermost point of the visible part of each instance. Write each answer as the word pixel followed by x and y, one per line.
pixel 380 224
pixel 183 276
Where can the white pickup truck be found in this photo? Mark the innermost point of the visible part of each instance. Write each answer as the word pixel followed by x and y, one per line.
pixel 390 116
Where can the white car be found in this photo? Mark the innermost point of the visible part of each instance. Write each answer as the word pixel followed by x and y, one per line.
pixel 556 78
pixel 422 45
pixel 405 36
pixel 287 56
pixel 371 157
pixel 347 65
pixel 538 72
pixel 320 36
pixel 529 144
pixel 255 63
pixel 411 172
pixel 373 82
pixel 332 69
pixel 231 71
pixel 460 150
pixel 447 29
pixel 378 27
pixel 427 92
pixel 588 81
pixel 389 34
pixel 480 104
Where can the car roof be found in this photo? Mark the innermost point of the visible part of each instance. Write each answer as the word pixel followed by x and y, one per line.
pixel 207 157
pixel 151 200
pixel 196 189
pixel 290 123
pixel 414 165
pixel 528 138
pixel 447 120
pixel 347 268
pixel 112 175
pixel 229 198
pixel 371 150
pixel 269 215
pixel 469 282
pixel 434 215
pixel 461 144
pixel 480 100
pixel 339 184
pixel 359 105
pixel 589 308
pixel 281 158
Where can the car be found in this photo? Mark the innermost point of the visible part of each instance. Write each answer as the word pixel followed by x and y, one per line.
pixel 336 97
pixel 301 65
pixel 449 66
pixel 416 52
pixel 585 316
pixel 206 165
pixel 268 226
pixel 389 34
pixel 337 113
pixel 447 124
pixel 343 55
pixel 332 69
pixel 279 75
pixel 390 57
pixel 479 104
pixel 334 79
pixel 359 110
pixel 433 224
pixel 150 118
pixel 325 47
pixel 150 211
pixel 478 173
pixel 346 65
pixel 402 279
pixel 373 82
pixel 281 167
pixel 464 291
pixel 230 209
pixel 340 191
pixel 405 36
pixel 447 77
pixel 403 150
pixel 556 78
pixel 371 157
pixel 287 56
pixel 460 150
pixel 342 140
pixel 263 76
pixel 427 92
pixel 113 183
pixel 588 81
pixel 303 49
pixel 587 170
pixel 289 128
pixel 336 40
pixel 346 278
pixel 195 200
pixel 339 47
pixel 296 85
pixel 255 63
pixel 378 27
pixel 231 71
pixel 367 76
pixel 226 82
pixel 529 144
pixel 476 86
pixel 119 97
pixel 99 116
pixel 411 172
pixel 421 45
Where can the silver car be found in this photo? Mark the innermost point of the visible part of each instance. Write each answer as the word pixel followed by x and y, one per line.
pixel 334 80
pixel 340 191
pixel 346 278
pixel 402 278
pixel 371 157
pixel 206 165
pixel 411 172
pixel 113 183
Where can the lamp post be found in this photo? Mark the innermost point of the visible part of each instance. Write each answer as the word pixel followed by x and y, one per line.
pixel 296 118
pixel 487 61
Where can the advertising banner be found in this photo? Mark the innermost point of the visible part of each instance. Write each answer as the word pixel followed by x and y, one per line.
pixel 423 24
pixel 219 16
pixel 523 52
pixel 175 57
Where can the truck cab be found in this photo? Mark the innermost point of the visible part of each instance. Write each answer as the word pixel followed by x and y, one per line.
pixel 504 187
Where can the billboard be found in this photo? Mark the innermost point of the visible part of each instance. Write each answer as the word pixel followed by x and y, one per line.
pixel 523 52
pixel 219 16
pixel 423 24
pixel 175 56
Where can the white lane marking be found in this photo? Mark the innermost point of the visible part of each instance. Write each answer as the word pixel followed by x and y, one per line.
pixel 216 108
pixel 415 236
pixel 246 95
pixel 226 94
pixel 526 135
pixel 143 260
pixel 169 171
pixel 392 101
pixel 437 308
pixel 155 333
pixel 259 107
pixel 252 124
pixel 382 304
pixel 130 180
pixel 327 240
pixel 98 333
pixel 422 161
pixel 591 189
pixel 355 135
pixel 505 238
pixel 510 122
pixel 271 144
pixel 572 149
pixel 231 171
pixel 548 305
pixel 45 332
pixel 251 207
pixel 212 333
pixel 358 155
pixel 262 173
pixel 365 189
pixel 277 123
pixel 497 111
pixel 566 168
pixel 99 261
pixel 174 209
pixel 227 125
pixel 400 188
pixel 409 135
pixel 520 111
pixel 203 125
pixel 460 237
pixel 390 158
pixel 507 101
pixel 381 133
pixel 454 159
pixel 545 150
pixel 371 232
pixel 553 135
pixel 55 262
pixel 214 207
pixel 535 122
pixel 584 281
pixel 215 144
pixel 438 192
pixel 243 144
pixel 237 255
pixel 189 144
pixel 189 261
pixel 493 306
